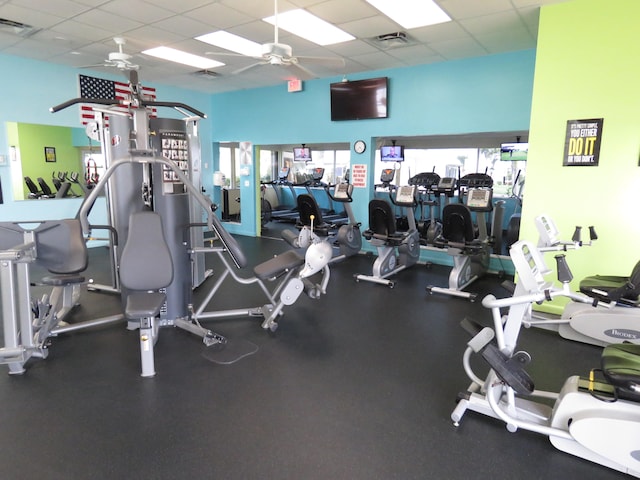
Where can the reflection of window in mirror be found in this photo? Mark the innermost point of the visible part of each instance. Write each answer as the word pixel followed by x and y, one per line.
pixel 230 195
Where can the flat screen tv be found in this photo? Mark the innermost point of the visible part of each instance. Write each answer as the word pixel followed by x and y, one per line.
pixel 301 154
pixel 392 153
pixel 359 100
pixel 514 152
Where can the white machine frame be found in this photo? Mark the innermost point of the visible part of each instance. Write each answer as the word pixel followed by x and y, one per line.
pixel 603 431
pixel 585 319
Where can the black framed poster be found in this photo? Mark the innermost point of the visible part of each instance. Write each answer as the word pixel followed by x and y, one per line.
pixel 582 142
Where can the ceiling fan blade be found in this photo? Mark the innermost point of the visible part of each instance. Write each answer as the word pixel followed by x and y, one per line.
pixel 96 65
pixel 301 72
pixel 228 54
pixel 248 67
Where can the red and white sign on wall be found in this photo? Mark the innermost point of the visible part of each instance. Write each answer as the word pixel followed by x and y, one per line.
pixel 359 176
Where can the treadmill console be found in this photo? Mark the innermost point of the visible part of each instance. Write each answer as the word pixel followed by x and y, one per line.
pixel 387 175
pixel 446 185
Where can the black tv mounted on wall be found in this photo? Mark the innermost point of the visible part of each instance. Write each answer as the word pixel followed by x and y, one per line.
pixel 359 99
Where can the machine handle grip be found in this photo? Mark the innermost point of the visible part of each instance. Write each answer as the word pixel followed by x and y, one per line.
pixel 155 103
pixel 73 101
pixel 577 235
pixel 592 233
pixel 564 272
pixel 107 101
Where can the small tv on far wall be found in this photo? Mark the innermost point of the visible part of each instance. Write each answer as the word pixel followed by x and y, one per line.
pixel 301 154
pixel 392 153
pixel 359 99
pixel 514 152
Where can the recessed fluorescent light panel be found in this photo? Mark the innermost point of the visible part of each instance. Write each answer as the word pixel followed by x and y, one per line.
pixel 412 13
pixel 232 42
pixel 308 26
pixel 178 56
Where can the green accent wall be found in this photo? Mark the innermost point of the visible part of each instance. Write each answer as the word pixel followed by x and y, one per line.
pixel 586 67
pixel 31 141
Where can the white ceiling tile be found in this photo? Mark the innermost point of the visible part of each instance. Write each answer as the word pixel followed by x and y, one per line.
pixel 138 11
pixel 414 55
pixel 491 23
pixel 468 9
pixel 35 18
pixel 7 40
pixel 151 36
pixel 352 48
pixel 478 27
pixel 218 16
pixel 255 8
pixel 378 60
pixel 184 26
pixel 340 12
pixel 59 8
pixel 506 41
pixel 439 32
pixel 178 6
pixel 82 30
pixel 370 27
pixel 455 49
pixel 108 21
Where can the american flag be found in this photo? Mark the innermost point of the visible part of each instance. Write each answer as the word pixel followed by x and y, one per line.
pixel 92 87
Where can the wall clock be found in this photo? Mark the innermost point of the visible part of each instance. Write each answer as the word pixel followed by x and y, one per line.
pixel 359 146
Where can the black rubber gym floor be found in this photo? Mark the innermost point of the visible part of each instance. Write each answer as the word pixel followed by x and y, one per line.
pixel 357 385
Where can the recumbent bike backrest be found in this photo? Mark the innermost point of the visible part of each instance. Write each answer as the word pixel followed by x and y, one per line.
pixel 382 220
pixel 457 225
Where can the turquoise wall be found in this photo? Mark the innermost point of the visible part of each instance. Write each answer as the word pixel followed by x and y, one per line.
pixel 34 87
pixel 486 94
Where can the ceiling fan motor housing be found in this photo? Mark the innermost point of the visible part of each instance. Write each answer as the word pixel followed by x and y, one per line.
pixel 277 49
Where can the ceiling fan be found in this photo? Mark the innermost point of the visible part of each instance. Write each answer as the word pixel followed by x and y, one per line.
pixel 281 54
pixel 119 59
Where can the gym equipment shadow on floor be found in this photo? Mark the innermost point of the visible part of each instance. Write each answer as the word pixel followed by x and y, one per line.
pixel 357 385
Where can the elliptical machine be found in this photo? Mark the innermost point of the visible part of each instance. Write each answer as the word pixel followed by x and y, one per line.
pixel 426 183
pixel 594 420
pixel 396 250
pixel 606 311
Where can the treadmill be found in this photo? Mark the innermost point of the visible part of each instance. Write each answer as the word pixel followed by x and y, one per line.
pixel 281 212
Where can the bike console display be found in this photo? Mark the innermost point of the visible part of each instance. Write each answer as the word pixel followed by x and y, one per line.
pixel 405 195
pixel 479 199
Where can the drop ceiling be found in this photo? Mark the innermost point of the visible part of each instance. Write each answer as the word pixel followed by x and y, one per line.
pixel 78 33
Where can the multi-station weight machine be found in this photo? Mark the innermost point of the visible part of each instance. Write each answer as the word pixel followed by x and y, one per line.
pixel 155 202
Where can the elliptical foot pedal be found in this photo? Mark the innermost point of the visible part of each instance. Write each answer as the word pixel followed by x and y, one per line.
pixel 509 369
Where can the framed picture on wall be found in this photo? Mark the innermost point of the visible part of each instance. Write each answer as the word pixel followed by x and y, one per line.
pixel 50 154
pixel 582 142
